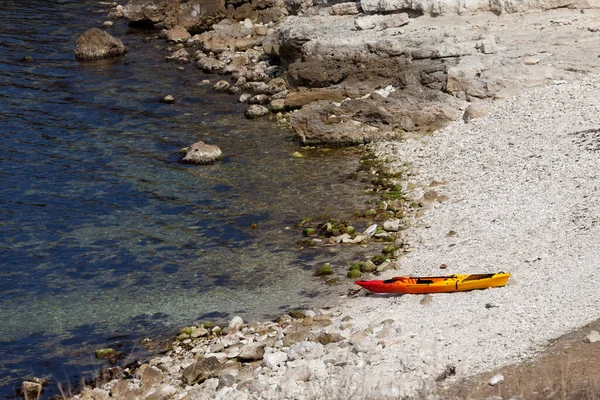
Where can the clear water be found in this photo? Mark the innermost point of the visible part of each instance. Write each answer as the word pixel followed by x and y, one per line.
pixel 104 235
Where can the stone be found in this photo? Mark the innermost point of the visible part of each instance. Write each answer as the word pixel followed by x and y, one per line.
pixel 210 64
pixel 368 266
pixel 106 354
pixel 277 105
pixel 181 56
pixel 162 392
pixel 31 390
pixel 496 379
pixel 256 111
pixel 275 360
pixel 294 337
pixel 201 153
pixel 178 34
pixel 201 371
pixel 236 323
pixel 301 373
pixel 326 338
pixel 392 225
pixel 592 337
pixel 244 97
pixel 321 321
pixel 367 22
pixel 295 100
pixel 305 350
pixel 487 45
pixel 531 60
pixel 198 332
pixel 168 99
pixel 150 377
pixel 370 231
pixel 259 99
pixel 252 352
pixel 221 86
pixel 117 12
pixel 95 44
pixel 476 110
pixel 107 24
pixel 325 269
pixel 349 8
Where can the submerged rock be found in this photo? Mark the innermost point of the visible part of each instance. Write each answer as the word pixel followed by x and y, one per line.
pixel 95 44
pixel 201 153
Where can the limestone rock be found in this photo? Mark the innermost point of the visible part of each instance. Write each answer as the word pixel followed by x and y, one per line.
pixel 277 105
pixel 592 337
pixel 349 8
pixel 274 360
pixel 252 352
pixel 201 153
pixel 326 338
pixel 305 350
pixel 178 34
pixel 95 44
pixel 476 110
pixel 256 111
pixel 301 373
pixel 236 323
pixel 381 21
pixel 392 225
pixel 298 99
pixel 148 12
pixel 221 86
pixel 201 371
pixel 496 379
pixel 168 99
pixel 181 56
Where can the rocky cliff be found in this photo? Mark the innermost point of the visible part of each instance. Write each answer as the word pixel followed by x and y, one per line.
pixel 375 69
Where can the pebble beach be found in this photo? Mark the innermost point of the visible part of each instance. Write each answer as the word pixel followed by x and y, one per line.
pixel 516 192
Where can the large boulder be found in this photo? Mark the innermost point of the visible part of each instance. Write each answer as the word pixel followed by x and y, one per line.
pixel 364 120
pixel 95 44
pixel 201 370
pixel 201 15
pixel 193 15
pixel 150 12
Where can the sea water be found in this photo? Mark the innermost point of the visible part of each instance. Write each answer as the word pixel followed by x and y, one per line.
pixel 104 236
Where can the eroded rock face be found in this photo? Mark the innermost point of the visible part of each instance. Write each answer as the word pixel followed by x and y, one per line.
pixel 364 120
pixel 202 153
pixel 150 12
pixel 95 44
pixel 200 15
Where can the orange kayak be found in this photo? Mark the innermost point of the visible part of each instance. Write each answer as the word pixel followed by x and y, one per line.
pixel 435 284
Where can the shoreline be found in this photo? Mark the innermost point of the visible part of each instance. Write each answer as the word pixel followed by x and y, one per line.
pixel 409 353
pixel 420 152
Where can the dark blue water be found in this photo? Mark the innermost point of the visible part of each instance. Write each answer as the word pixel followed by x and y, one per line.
pixel 103 234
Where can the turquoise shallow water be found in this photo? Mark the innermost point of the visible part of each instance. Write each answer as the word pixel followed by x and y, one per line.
pixel 104 236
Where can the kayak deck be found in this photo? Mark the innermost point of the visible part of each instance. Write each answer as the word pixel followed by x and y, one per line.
pixel 435 284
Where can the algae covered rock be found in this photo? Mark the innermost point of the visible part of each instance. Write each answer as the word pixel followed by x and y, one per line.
pixel 95 44
pixel 324 270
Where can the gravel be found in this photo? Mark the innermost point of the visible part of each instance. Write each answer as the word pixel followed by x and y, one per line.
pixel 523 198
